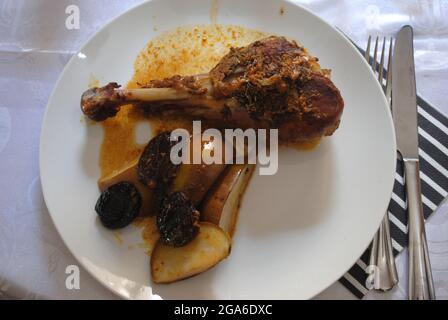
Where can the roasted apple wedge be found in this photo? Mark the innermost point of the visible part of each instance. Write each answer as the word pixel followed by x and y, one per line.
pixel 156 170
pixel 129 174
pixel 194 180
pixel 169 264
pixel 222 202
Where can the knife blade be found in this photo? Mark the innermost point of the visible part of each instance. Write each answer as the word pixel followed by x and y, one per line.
pixel 404 100
pixel 404 110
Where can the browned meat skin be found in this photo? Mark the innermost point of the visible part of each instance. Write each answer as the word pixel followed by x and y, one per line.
pixel 268 63
pixel 276 82
pixel 272 83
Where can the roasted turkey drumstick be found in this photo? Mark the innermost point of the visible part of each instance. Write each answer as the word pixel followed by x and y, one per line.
pixel 271 83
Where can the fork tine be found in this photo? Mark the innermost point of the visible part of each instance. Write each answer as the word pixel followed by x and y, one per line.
pixel 375 55
pixel 381 68
pixel 367 53
pixel 389 73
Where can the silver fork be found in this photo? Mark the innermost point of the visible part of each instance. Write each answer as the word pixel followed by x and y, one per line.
pixel 382 261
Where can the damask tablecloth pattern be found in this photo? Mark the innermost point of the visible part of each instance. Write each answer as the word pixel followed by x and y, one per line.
pixel 35 45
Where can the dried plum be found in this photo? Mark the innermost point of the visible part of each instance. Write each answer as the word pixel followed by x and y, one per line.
pixel 155 168
pixel 178 220
pixel 118 205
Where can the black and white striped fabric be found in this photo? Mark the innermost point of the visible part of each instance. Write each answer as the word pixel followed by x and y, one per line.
pixel 433 153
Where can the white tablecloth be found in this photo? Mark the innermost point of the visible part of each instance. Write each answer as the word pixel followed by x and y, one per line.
pixel 35 46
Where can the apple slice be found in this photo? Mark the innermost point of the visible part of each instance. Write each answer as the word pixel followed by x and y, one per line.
pixel 169 264
pixel 129 173
pixel 157 170
pixel 223 201
pixel 194 180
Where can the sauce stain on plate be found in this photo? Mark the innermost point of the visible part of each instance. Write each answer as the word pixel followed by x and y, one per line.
pixel 117 237
pixel 214 11
pixel 282 10
pixel 93 81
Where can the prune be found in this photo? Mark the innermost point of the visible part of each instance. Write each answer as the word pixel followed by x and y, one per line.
pixel 118 205
pixel 177 220
pixel 155 168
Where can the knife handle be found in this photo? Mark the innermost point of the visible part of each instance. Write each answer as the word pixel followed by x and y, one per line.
pixel 421 286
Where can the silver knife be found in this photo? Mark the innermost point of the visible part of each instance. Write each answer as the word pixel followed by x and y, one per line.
pixel 404 109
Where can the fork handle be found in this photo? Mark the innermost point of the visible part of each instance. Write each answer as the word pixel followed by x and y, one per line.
pixel 421 286
pixel 382 257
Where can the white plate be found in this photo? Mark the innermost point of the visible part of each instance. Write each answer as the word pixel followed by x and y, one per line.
pixel 298 230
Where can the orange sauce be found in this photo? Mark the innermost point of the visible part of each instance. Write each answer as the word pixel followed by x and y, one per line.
pixel 214 7
pixel 93 81
pixel 119 147
pixel 282 10
pixel 150 234
pixel 118 238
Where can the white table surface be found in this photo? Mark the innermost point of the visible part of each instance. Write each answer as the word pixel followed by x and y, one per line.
pixel 35 46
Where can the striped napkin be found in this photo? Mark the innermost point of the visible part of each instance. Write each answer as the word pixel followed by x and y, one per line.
pixel 433 154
